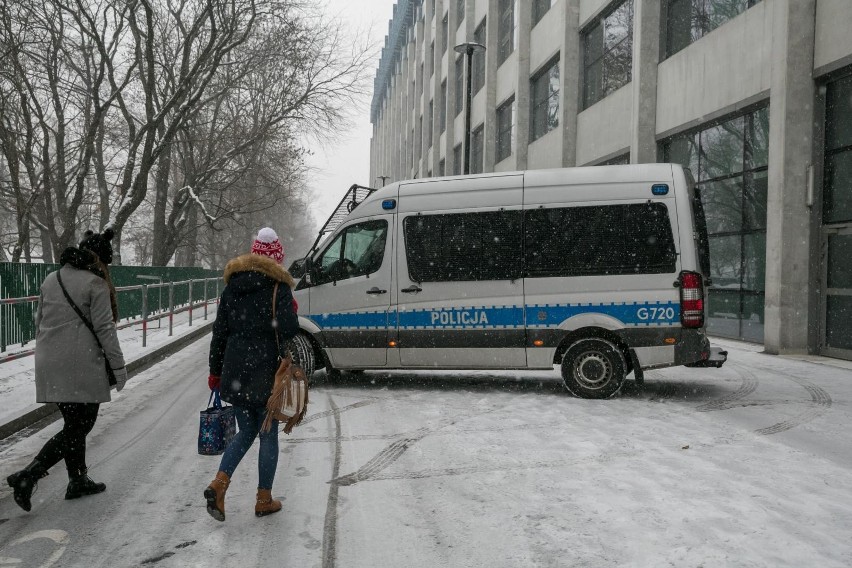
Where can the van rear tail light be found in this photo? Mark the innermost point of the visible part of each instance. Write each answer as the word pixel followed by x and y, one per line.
pixel 691 299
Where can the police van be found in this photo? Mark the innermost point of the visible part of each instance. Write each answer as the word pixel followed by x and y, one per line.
pixel 602 270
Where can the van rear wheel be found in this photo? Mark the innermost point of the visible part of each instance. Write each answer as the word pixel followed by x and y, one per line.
pixel 593 368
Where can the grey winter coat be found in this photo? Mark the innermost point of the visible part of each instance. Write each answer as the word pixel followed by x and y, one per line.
pixel 69 366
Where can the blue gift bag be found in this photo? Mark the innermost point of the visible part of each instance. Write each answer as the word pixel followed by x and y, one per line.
pixel 217 426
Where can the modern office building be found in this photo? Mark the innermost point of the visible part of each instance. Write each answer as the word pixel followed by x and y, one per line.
pixel 754 96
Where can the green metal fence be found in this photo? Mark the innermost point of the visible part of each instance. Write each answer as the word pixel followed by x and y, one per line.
pixel 22 281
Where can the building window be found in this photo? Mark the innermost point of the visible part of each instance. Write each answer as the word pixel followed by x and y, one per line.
pixel 729 161
pixel 445 33
pixel 432 56
pixel 442 111
pixel 506 30
pixel 459 11
pixel 505 117
pixel 539 9
pixel 429 122
pixel 441 165
pixel 608 53
pixel 478 63
pixel 544 101
pixel 459 100
pixel 621 160
pixel 688 20
pixel 477 140
pixel 457 160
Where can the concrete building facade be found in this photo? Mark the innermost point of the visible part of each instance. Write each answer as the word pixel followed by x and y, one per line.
pixel 754 96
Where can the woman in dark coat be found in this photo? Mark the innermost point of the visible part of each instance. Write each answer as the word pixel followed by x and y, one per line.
pixel 69 365
pixel 243 360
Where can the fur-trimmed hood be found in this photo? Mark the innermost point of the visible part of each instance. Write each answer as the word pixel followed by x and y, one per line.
pixel 257 263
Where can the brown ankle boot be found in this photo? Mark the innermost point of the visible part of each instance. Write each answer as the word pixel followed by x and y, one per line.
pixel 266 505
pixel 215 495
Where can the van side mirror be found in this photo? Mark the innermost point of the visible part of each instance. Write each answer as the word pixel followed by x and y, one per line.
pixel 297 269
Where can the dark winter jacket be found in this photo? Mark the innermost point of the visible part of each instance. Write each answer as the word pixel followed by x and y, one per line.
pixel 243 350
pixel 69 365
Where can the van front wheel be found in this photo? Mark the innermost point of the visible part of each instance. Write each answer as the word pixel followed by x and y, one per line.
pixel 593 368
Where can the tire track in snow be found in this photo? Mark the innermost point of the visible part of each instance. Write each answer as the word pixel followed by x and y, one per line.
pixel 329 533
pixel 820 402
pixel 748 385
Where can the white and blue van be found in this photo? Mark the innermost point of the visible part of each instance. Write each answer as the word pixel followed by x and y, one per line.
pixel 602 270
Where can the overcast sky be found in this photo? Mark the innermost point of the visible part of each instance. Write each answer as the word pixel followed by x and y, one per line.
pixel 338 165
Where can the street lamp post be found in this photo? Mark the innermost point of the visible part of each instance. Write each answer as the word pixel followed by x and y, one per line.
pixel 383 178
pixel 468 49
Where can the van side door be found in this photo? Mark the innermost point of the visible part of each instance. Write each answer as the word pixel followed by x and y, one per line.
pixel 350 292
pixel 460 284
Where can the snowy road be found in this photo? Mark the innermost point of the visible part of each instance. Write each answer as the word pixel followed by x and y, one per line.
pixel 750 465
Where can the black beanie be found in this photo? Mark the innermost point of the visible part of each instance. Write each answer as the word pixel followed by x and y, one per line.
pixel 99 244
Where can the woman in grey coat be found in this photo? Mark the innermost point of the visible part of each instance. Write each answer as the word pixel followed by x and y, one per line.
pixel 69 365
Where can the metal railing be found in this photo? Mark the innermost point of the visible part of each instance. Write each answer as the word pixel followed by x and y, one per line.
pixel 138 303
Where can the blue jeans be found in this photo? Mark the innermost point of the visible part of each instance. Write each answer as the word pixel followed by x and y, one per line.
pixel 249 421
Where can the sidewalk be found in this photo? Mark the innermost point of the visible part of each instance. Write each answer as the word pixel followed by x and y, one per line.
pixel 17 377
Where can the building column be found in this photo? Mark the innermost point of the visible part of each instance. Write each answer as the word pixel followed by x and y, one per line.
pixel 492 34
pixel 521 128
pixel 570 69
pixel 646 58
pixel 788 221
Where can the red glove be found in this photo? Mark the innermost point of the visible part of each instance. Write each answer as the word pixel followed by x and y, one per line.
pixel 213 381
pixel 295 306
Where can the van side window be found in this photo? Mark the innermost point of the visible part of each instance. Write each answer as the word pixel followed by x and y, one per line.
pixel 464 246
pixel 356 251
pixel 599 240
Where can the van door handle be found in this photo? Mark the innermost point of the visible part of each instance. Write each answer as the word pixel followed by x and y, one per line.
pixel 413 289
pixel 376 290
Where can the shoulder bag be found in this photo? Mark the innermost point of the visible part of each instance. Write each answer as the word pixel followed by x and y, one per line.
pixel 110 374
pixel 288 402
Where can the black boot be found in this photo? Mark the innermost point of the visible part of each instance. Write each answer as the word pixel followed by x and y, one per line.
pixel 24 483
pixel 81 485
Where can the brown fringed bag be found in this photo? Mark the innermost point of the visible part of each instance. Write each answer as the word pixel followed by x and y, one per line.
pixel 288 402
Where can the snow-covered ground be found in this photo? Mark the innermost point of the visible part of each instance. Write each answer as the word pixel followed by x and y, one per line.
pixel 749 465
pixel 17 383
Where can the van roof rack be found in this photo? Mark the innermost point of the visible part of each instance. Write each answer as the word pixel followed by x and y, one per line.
pixel 355 195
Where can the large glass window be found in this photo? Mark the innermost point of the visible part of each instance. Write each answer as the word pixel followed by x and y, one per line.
pixel 358 250
pixel 460 86
pixel 688 20
pixel 459 11
pixel 544 101
pixel 478 63
pixel 464 246
pixel 505 116
pixel 836 236
pixel 608 53
pixel 599 240
pixel 477 143
pixel 729 160
pixel 506 30
pixel 539 9
pixel 429 122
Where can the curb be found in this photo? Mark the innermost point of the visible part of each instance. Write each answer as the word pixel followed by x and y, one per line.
pixel 41 413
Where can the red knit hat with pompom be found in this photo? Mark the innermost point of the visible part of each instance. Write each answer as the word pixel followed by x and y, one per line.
pixel 267 244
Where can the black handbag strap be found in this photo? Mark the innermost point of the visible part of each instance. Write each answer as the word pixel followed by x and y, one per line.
pixel 79 313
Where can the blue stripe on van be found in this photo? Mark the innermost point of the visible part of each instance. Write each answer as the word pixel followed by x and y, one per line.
pixel 542 316
pixel 538 316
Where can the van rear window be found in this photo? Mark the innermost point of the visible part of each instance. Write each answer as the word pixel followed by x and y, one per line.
pixel 599 240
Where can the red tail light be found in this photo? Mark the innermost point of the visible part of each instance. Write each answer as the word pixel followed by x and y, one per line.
pixel 691 299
